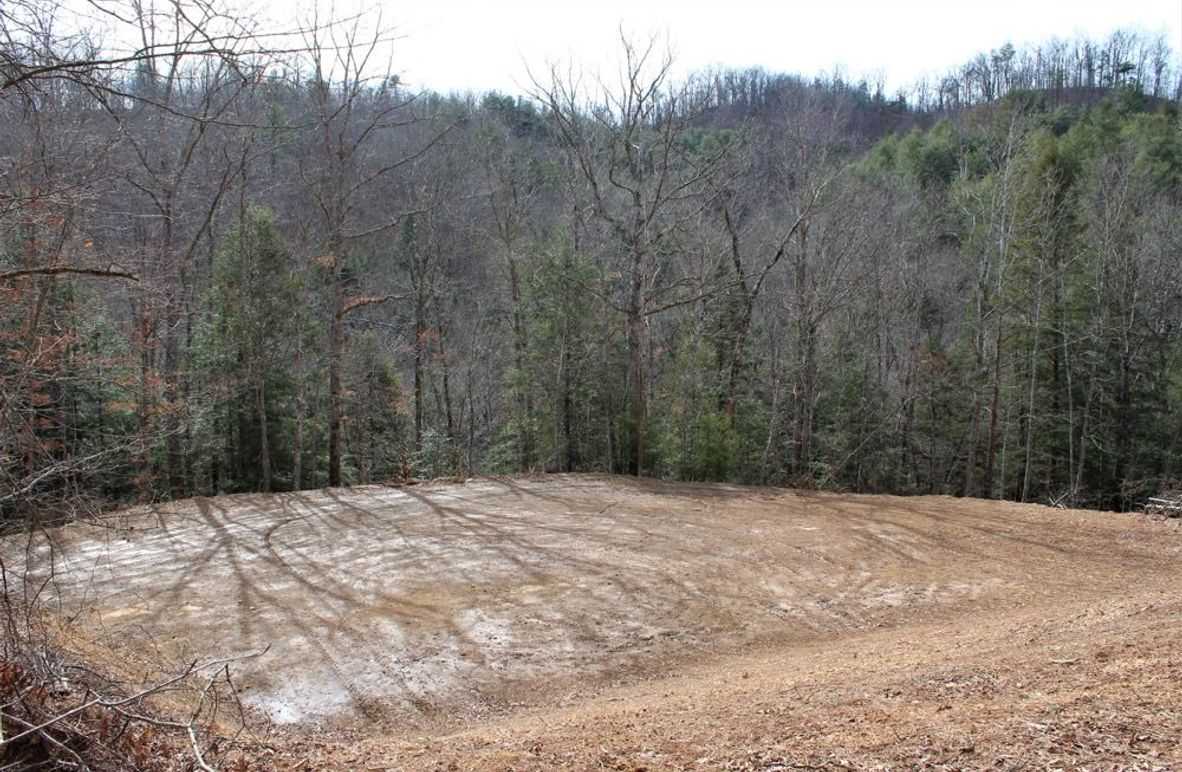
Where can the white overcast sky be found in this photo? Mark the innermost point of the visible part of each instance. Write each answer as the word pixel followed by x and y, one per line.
pixel 451 45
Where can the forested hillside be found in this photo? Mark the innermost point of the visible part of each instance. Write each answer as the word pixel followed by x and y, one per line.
pixel 226 268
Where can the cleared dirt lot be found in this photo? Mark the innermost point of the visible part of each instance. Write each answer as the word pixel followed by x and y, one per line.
pixel 586 621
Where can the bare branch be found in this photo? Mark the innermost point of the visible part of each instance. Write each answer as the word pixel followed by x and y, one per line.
pixel 58 270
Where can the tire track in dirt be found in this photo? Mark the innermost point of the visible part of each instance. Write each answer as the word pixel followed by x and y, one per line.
pixel 331 623
pixel 312 636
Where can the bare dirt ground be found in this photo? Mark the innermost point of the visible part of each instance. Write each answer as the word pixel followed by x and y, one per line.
pixel 587 622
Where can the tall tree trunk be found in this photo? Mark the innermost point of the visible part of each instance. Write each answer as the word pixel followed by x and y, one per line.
pixel 568 440
pixel 172 424
pixel 735 368
pixel 336 344
pixel 1122 429
pixel 525 438
pixel 805 354
pixel 1082 444
pixel 471 444
pixel 979 369
pixel 448 416
pixel 771 447
pixel 260 402
pixel 297 463
pixel 910 459
pixel 636 340
pixel 420 352
pixel 145 404
pixel 1030 423
pixel 994 409
pixel 805 393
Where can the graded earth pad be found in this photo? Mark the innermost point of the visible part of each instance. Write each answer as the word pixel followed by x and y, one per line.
pixel 587 621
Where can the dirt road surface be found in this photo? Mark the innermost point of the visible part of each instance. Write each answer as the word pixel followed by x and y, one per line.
pixel 587 622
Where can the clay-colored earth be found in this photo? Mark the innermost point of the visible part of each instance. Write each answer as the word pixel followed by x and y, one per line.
pixel 598 622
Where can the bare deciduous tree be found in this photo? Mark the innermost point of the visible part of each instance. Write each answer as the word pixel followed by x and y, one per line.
pixel 626 143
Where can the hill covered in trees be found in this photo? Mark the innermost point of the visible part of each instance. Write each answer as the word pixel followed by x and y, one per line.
pixel 226 269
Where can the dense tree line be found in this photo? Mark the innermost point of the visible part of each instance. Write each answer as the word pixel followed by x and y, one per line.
pixel 228 271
